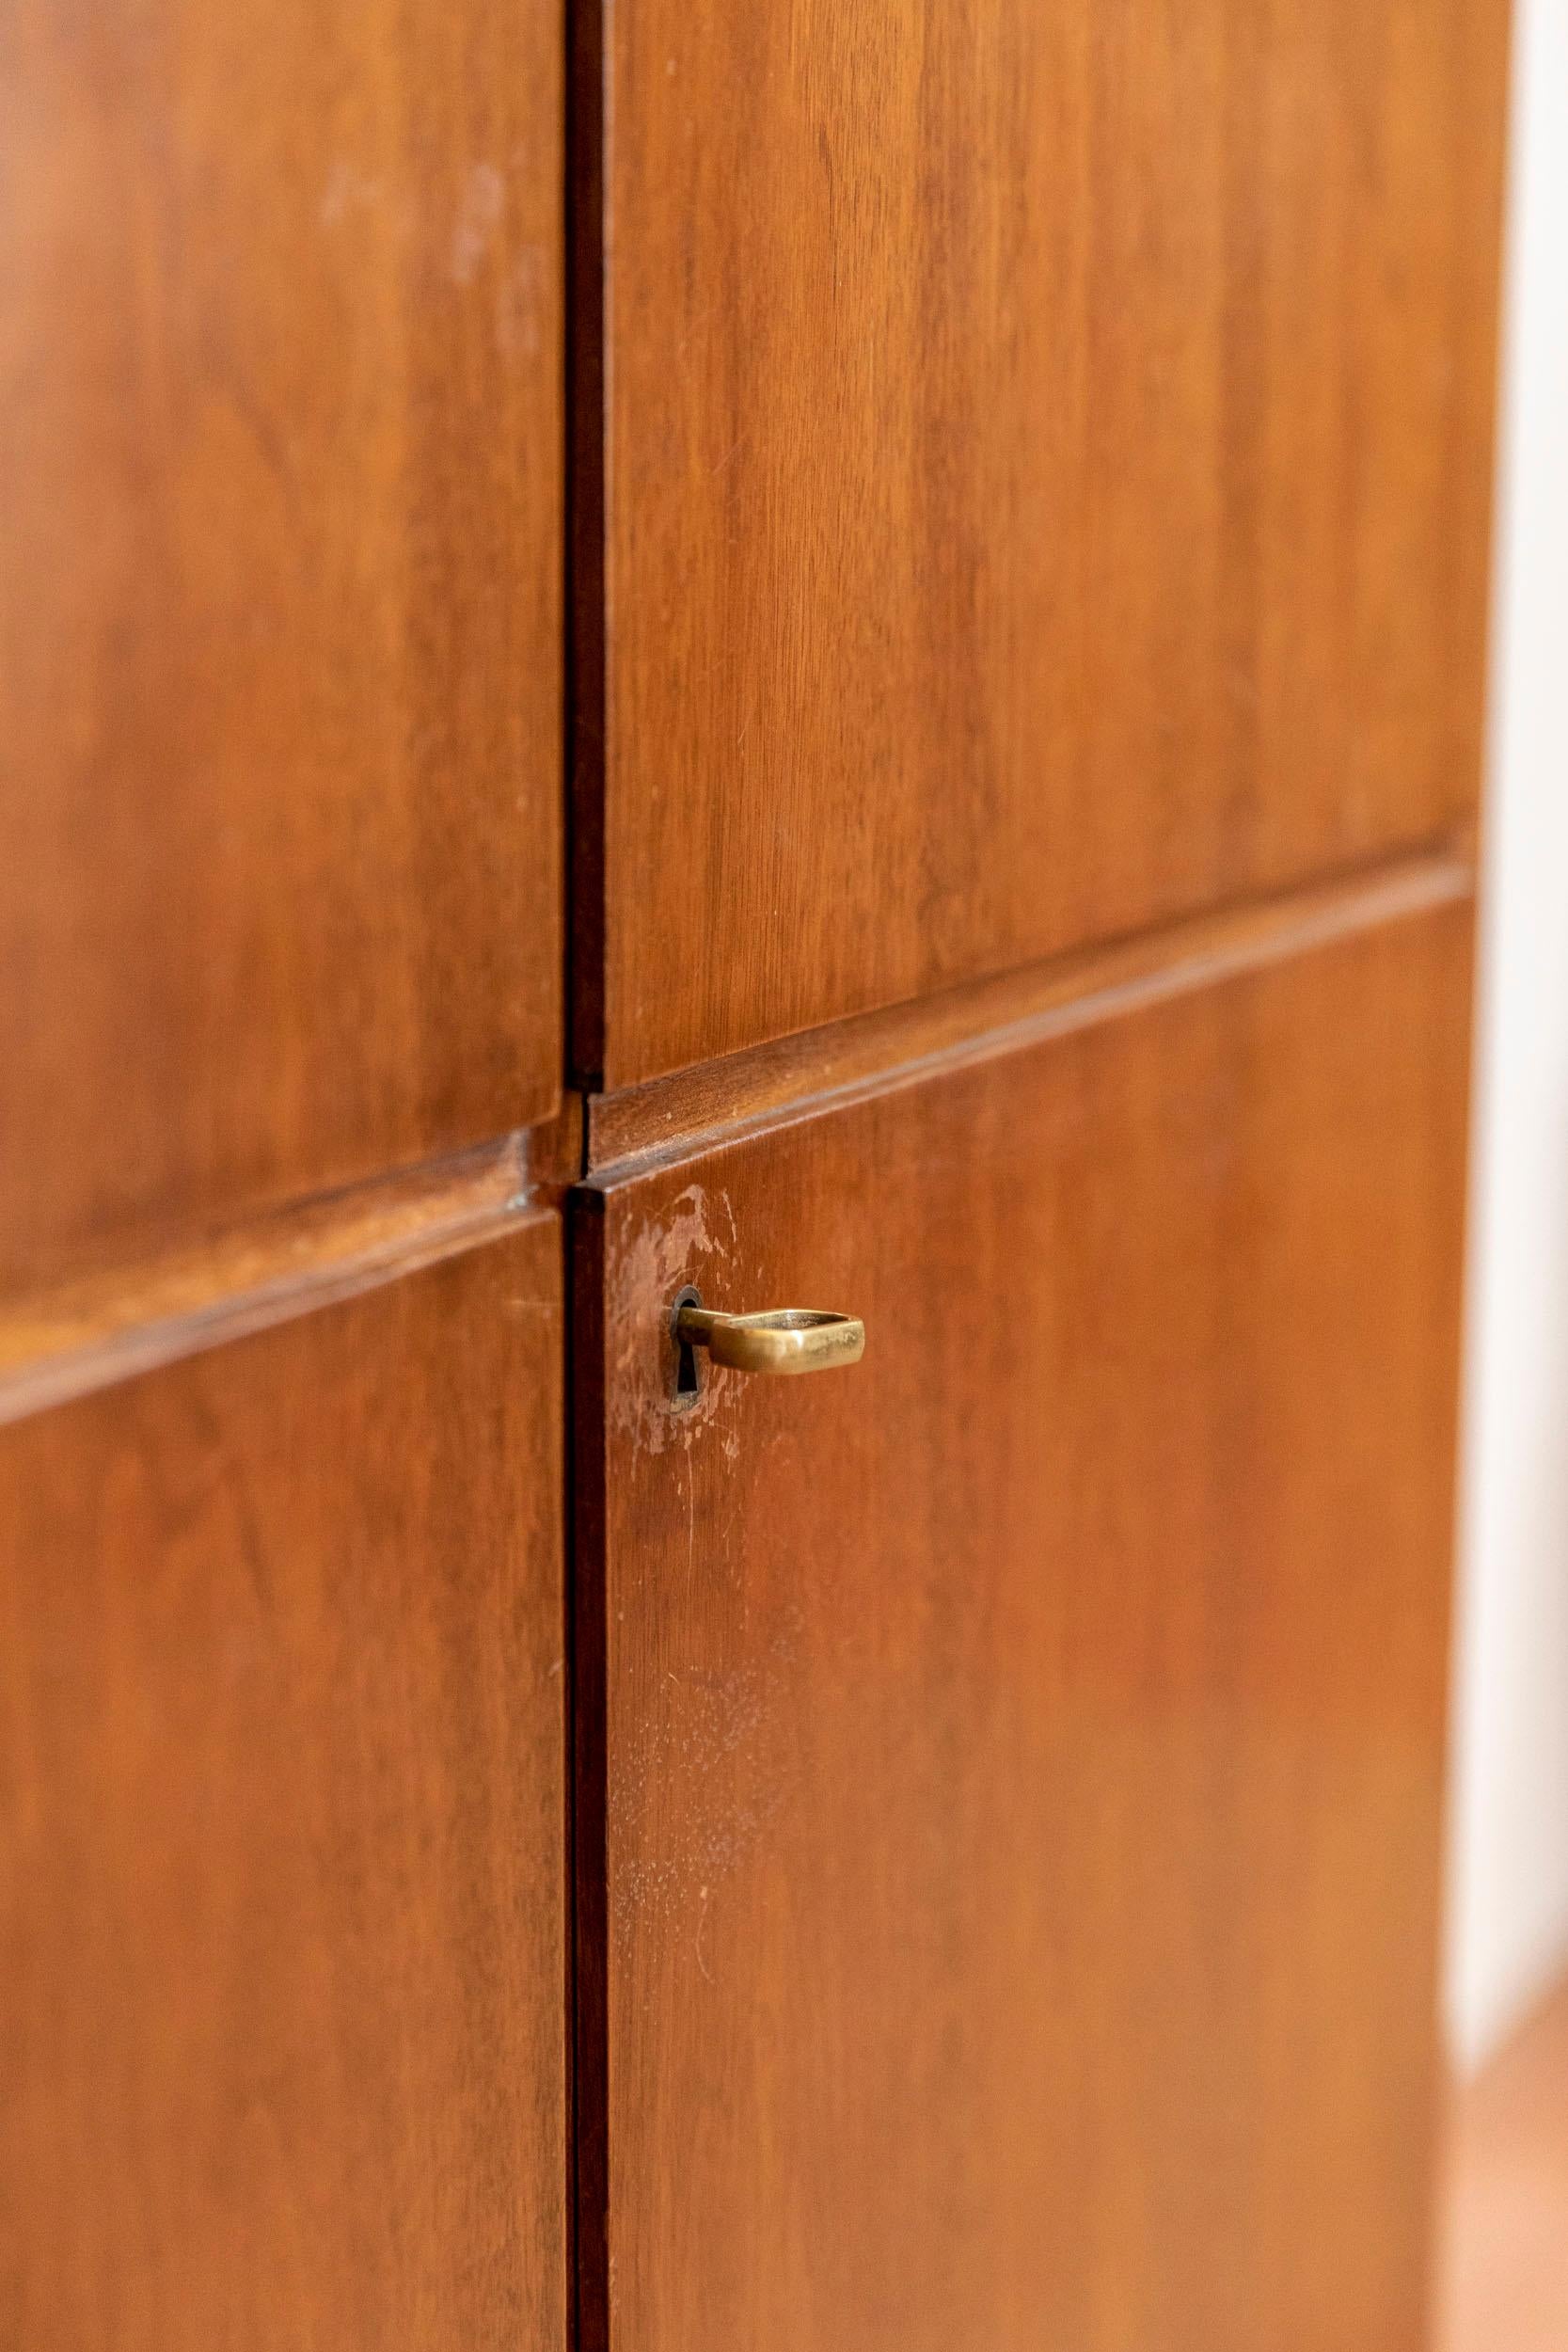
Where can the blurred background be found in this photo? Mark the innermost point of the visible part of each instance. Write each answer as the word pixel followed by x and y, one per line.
pixel 1507 1959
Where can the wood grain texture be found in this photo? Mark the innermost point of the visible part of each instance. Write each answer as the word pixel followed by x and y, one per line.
pixel 280 603
pixel 691 1110
pixel 282 1837
pixel 1046 473
pixel 85 1333
pixel 64 1342
pixel 1021 1779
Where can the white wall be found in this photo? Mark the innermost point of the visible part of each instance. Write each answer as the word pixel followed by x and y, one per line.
pixel 1507 1927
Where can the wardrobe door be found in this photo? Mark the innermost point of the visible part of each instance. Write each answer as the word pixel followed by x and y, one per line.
pixel 281 1835
pixel 1032 467
pixel 1010 1767
pixel 280 626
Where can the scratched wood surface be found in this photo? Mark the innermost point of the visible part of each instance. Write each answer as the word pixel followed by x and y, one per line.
pixel 282 1837
pixel 1045 470
pixel 279 627
pixel 1012 1770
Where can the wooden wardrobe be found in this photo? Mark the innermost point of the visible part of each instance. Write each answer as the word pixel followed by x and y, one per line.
pixel 831 655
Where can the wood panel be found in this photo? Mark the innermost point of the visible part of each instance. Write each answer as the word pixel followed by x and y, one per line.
pixel 1046 476
pixel 765 1085
pixel 1011 1772
pixel 282 1842
pixel 279 627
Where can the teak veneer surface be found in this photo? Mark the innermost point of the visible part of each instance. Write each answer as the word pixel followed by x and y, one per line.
pixel 280 328
pixel 282 1969
pixel 1042 486
pixel 1011 1772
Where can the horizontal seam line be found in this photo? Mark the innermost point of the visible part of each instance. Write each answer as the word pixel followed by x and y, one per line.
pixel 94 1330
pixel 1076 989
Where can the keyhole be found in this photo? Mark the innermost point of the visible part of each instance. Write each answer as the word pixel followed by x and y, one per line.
pixel 688 1378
